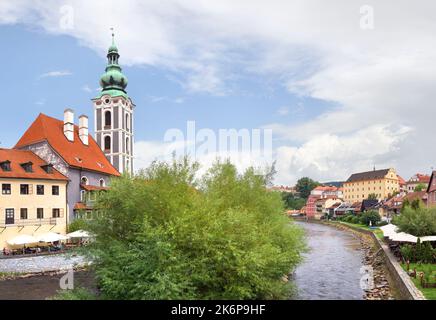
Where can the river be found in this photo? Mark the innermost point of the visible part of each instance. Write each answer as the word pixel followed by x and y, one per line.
pixel 331 269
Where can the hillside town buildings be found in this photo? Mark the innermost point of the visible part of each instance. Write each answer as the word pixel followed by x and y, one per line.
pixel 380 183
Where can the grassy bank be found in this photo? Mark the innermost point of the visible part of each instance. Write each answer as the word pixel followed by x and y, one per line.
pixel 429 293
pixel 378 233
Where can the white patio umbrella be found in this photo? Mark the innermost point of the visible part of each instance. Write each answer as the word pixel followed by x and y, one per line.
pixel 79 234
pixel 22 240
pixel 428 238
pixel 388 230
pixel 403 237
pixel 51 237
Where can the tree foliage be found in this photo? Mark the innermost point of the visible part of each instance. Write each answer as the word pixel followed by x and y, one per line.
pixel 370 216
pixel 420 187
pixel 305 185
pixel 416 220
pixel 372 196
pixel 165 235
pixel 291 202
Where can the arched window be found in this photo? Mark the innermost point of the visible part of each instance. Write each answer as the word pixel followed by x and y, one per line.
pixel 107 144
pixel 82 195
pixel 84 181
pixel 127 145
pixel 102 183
pixel 107 119
pixel 127 122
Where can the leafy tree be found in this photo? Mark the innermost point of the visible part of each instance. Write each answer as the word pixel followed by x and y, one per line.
pixel 77 224
pixel 372 196
pixel 420 221
pixel 305 185
pixel 420 187
pixel 292 202
pixel 370 216
pixel 164 234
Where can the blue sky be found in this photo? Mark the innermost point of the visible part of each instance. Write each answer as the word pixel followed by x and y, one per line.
pixel 338 98
pixel 50 73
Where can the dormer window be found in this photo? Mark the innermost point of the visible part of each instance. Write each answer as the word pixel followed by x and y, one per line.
pixel 5 165
pixel 48 168
pixel 27 166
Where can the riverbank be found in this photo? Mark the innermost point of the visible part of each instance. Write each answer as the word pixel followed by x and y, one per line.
pixel 43 285
pixel 402 287
pixel 383 288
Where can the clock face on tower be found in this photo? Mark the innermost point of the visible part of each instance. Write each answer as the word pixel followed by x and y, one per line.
pixel 113 110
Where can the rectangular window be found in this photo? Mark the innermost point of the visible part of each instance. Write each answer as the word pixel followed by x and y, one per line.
pixel 55 190
pixel 9 216
pixel 40 189
pixel 56 213
pixel 6 188
pixel 23 213
pixel 24 189
pixel 40 213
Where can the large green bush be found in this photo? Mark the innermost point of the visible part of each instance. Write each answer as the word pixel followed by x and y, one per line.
pixel 166 235
pixel 418 221
pixel 370 216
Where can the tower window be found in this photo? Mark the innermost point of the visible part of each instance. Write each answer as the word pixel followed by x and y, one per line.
pixel 127 122
pixel 107 144
pixel 107 120
pixel 84 181
pixel 127 145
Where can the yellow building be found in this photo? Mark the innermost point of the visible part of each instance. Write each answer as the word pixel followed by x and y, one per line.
pixel 33 198
pixel 383 183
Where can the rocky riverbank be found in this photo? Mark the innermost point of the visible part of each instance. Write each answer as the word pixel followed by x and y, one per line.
pixel 373 257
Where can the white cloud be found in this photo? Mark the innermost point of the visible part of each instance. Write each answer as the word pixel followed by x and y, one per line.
pixel 382 79
pixel 87 88
pixel 55 74
pixel 283 111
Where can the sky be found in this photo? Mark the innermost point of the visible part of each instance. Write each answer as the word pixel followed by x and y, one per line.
pixel 339 96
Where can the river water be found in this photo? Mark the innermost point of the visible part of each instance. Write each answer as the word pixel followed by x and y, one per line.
pixel 331 269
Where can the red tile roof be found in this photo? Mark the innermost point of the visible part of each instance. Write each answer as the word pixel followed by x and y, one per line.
pixel 401 181
pixel 81 206
pixel 422 178
pixel 93 188
pixel 17 157
pixel 75 153
pixel 326 188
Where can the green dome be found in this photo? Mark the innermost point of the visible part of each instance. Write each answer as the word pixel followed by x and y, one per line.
pixel 113 78
pixel 113 81
pixel 113 48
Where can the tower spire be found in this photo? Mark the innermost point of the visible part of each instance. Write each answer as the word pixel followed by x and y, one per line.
pixel 113 36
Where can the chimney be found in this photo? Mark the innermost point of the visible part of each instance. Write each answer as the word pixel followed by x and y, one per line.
pixel 83 129
pixel 69 124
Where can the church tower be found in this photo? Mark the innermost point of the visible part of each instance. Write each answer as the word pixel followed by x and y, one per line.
pixel 113 115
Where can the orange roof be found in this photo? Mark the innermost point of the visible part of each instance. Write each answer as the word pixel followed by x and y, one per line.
pixel 326 188
pixel 18 157
pixel 75 153
pixel 401 181
pixel 93 188
pixel 81 206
